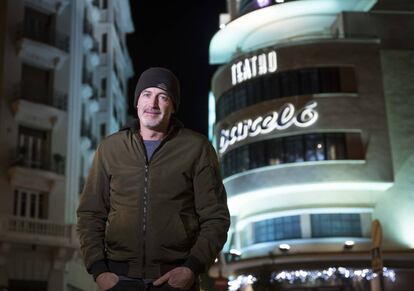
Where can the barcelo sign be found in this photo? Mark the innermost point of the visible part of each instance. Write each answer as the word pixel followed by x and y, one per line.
pixel 286 117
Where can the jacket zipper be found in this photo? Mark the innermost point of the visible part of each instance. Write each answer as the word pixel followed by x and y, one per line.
pixel 144 220
pixel 145 206
pixel 145 199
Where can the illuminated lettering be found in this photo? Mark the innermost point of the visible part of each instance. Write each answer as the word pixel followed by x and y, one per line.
pixel 247 72
pixel 272 62
pixel 286 117
pixel 251 67
pixel 262 64
pixel 253 61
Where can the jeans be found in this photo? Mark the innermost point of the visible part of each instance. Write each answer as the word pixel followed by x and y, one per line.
pixel 139 285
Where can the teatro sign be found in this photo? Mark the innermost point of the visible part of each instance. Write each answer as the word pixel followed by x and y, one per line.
pixel 253 66
pixel 286 117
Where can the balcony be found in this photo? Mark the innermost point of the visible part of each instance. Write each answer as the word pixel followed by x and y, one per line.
pixel 56 99
pixel 34 178
pixel 36 231
pixel 43 110
pixel 56 165
pixel 41 48
pixel 49 6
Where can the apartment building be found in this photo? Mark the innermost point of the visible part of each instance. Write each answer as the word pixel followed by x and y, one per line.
pixel 64 73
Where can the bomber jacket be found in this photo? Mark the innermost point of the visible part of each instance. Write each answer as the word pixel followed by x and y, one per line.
pixel 140 217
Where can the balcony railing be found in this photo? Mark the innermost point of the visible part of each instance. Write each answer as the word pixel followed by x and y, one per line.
pixel 54 98
pixel 44 228
pixel 56 164
pixel 56 39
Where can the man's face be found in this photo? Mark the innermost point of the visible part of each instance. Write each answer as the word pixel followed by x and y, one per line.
pixel 154 108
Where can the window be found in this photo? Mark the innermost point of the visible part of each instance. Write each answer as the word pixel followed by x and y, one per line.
pixel 315 147
pixel 104 43
pixel 36 84
pixel 335 146
pixel 37 25
pixel 103 87
pixel 329 80
pixel 114 113
pixel 275 229
pixel 292 149
pixel 103 130
pixel 30 204
pixel 289 82
pixel 336 225
pixel 293 146
pixel 33 149
pixel 286 84
pixel 309 81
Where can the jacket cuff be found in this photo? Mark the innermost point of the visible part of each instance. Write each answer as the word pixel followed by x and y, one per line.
pixel 98 268
pixel 194 265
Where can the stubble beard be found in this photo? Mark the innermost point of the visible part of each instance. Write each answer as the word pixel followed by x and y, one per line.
pixel 150 122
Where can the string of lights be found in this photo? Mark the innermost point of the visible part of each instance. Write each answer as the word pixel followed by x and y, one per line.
pixel 311 276
pixel 330 274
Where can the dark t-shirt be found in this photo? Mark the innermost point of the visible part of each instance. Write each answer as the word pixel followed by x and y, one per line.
pixel 151 146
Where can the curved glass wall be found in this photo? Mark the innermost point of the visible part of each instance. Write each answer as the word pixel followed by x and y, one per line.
pixel 336 225
pixel 322 225
pixel 275 229
pixel 292 149
pixel 285 84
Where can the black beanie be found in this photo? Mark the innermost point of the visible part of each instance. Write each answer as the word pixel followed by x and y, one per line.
pixel 160 78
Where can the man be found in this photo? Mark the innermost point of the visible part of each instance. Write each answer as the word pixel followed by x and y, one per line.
pixel 153 212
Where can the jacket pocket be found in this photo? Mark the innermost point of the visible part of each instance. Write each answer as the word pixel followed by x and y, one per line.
pixel 167 228
pixel 121 238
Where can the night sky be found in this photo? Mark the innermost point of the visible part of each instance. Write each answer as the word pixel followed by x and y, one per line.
pixel 176 35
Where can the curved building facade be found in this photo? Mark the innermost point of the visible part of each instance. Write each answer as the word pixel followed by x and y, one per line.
pixel 312 127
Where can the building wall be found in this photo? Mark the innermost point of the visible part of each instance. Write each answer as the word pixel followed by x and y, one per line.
pixel 278 196
pixel 361 112
pixel 398 73
pixel 37 249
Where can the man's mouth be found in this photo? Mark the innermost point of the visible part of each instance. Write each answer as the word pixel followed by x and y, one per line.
pixel 152 112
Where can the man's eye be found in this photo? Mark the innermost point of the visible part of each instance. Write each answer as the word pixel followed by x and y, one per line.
pixel 164 97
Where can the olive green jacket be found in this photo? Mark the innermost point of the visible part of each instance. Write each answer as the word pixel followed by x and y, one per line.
pixel 141 218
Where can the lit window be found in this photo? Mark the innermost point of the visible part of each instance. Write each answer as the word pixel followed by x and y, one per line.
pixel 336 225
pixel 275 229
pixel 30 204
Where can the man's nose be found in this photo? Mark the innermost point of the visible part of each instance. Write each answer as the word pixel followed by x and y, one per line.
pixel 154 101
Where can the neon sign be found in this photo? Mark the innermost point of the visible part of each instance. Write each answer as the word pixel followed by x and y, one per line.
pixel 263 3
pixel 251 67
pixel 286 117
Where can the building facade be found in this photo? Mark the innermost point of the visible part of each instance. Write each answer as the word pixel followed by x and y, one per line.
pixel 313 126
pixel 64 70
